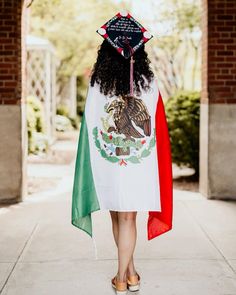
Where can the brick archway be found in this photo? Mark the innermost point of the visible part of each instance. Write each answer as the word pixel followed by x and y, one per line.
pixel 218 101
pixel 13 146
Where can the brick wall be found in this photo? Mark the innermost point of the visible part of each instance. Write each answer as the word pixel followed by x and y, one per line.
pixel 10 51
pixel 219 51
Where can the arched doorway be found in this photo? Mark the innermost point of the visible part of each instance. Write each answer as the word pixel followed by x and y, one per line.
pixel 218 101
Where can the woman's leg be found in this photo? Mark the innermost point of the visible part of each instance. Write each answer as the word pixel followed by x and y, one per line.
pixel 114 219
pixel 115 229
pixel 126 241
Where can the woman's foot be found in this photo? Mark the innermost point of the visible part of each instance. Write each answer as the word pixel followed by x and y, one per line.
pixel 133 282
pixel 119 286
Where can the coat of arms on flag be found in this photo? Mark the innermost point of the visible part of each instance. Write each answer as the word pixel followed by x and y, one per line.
pixel 126 135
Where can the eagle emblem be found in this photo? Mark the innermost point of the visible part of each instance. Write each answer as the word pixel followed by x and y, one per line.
pixel 127 132
pixel 129 114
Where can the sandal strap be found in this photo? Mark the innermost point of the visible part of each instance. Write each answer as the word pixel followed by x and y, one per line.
pixel 120 286
pixel 133 279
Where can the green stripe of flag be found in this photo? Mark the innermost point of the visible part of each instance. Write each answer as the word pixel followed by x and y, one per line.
pixel 84 196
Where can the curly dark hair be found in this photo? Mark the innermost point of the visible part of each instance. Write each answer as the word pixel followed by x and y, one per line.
pixel 112 71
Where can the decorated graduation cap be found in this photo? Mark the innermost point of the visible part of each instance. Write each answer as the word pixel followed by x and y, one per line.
pixel 126 35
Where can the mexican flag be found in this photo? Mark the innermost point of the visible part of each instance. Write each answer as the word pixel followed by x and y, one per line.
pixel 123 160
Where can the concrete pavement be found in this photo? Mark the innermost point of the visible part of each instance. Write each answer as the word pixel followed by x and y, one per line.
pixel 41 253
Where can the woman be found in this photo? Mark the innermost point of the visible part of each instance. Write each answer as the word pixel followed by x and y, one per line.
pixel 123 160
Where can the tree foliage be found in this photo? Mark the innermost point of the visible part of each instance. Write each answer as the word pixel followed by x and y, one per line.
pixel 71 26
pixel 175 54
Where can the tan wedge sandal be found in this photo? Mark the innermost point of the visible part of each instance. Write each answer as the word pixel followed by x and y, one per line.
pixel 120 287
pixel 133 282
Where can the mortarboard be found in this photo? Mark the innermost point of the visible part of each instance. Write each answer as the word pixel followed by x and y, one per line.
pixel 126 35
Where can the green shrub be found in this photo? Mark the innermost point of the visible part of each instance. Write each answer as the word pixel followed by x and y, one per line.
pixel 34 106
pixel 75 122
pixel 183 111
pixel 82 85
pixel 37 140
pixel 63 110
pixel 63 123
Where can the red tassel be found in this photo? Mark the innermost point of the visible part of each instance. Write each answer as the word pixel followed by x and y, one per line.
pixel 131 76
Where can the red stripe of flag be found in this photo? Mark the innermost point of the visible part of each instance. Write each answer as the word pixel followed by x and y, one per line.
pixel 161 222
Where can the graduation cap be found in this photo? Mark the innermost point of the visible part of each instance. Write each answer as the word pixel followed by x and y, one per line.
pixel 126 35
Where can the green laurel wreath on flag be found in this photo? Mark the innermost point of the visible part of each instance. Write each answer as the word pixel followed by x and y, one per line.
pixel 120 142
